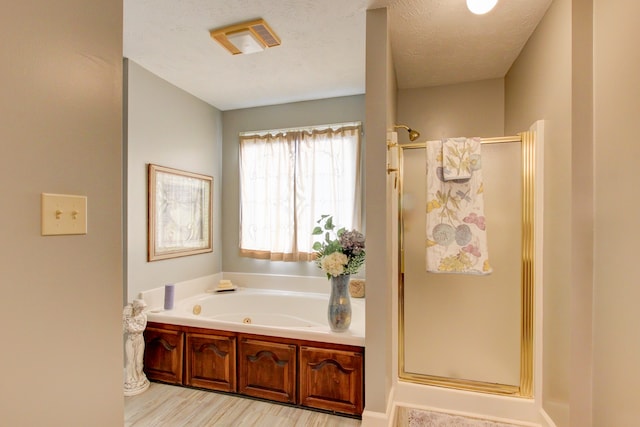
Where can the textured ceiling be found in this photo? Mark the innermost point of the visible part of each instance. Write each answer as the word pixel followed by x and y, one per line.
pixel 437 42
pixel 322 54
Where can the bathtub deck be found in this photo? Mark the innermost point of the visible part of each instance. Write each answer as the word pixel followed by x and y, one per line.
pixel 172 406
pixel 229 312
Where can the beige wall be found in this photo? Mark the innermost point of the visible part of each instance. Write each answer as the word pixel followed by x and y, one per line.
pixel 538 86
pixel 61 132
pixel 380 106
pixel 553 80
pixel 582 216
pixel 307 113
pixel 169 127
pixel 466 109
pixel 617 290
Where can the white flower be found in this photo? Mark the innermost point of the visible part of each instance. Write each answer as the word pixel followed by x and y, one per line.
pixel 334 263
pixel 339 252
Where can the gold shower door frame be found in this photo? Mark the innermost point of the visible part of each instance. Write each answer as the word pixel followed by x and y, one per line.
pixel 525 388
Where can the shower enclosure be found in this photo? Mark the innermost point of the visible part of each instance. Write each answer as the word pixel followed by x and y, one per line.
pixel 467 332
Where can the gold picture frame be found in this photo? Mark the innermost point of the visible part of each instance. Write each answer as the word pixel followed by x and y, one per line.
pixel 179 213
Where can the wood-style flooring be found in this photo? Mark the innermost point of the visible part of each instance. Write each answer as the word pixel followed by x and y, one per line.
pixel 171 406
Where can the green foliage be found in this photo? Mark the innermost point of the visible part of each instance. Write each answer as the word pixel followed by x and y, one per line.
pixel 348 243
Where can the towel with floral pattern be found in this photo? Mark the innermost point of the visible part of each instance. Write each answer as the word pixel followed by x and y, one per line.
pixel 456 229
pixel 456 157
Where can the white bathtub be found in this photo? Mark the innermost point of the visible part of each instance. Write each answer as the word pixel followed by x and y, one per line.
pixel 286 314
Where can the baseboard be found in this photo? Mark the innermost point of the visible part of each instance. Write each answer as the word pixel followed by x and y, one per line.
pixel 380 419
pixel 546 419
pixel 374 419
pixel 555 414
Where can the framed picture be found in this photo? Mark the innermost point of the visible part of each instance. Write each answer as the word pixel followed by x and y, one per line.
pixel 180 207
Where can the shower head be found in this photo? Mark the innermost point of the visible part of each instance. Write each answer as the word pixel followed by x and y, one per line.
pixel 413 134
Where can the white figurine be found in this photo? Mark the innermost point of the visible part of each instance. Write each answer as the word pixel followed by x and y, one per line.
pixel 134 321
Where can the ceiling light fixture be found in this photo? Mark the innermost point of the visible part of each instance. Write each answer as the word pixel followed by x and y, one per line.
pixel 480 7
pixel 246 37
pixel 245 42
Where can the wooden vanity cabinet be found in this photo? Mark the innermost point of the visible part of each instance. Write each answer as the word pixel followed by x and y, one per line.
pixel 331 379
pixel 267 369
pixel 210 360
pixel 316 375
pixel 163 353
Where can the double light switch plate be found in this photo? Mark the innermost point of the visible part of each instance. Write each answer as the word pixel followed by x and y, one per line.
pixel 63 214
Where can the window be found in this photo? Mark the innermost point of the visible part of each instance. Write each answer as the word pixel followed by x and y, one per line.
pixel 288 179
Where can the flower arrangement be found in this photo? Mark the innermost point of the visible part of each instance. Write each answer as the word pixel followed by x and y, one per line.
pixel 341 252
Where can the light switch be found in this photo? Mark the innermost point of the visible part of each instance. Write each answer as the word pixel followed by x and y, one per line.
pixel 63 214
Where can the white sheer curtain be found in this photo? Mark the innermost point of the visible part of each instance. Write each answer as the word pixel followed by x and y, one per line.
pixel 288 180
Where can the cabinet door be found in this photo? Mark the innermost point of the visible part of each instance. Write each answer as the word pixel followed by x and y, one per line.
pixel 331 379
pixel 210 362
pixel 267 370
pixel 163 355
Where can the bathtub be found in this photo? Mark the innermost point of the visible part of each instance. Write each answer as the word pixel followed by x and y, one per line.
pixel 286 314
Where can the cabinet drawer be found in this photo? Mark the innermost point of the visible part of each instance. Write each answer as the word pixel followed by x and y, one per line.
pixel 210 362
pixel 331 379
pixel 163 355
pixel 267 370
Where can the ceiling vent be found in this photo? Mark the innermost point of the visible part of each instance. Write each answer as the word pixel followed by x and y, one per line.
pixel 247 37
